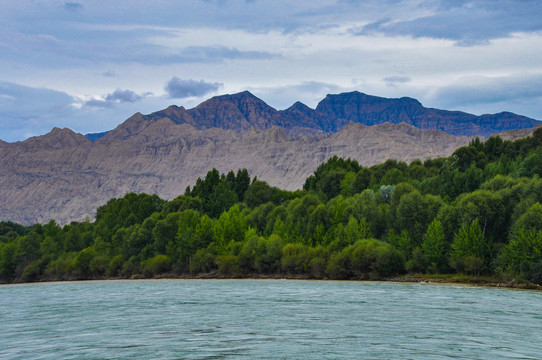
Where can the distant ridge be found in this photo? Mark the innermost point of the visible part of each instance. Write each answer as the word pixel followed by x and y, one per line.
pixel 95 136
pixel 241 111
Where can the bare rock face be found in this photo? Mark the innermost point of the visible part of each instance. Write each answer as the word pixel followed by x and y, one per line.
pixel 67 180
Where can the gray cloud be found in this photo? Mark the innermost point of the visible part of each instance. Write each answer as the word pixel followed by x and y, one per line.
pixel 99 38
pixel 467 22
pixel 25 110
pixel 183 88
pixel 123 96
pixel 512 93
pixel 155 55
pixel 110 73
pixel 73 6
pixel 218 53
pixel 116 97
pixel 29 102
pixel 97 103
pixel 396 79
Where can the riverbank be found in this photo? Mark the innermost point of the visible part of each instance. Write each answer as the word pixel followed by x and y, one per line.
pixel 443 279
pixel 461 279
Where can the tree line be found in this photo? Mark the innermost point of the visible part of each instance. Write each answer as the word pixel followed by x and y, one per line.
pixel 476 212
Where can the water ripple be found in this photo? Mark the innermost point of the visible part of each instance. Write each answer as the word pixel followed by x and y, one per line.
pixel 187 319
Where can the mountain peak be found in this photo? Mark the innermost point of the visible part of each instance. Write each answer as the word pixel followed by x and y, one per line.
pixel 237 97
pixel 298 107
pixel 58 138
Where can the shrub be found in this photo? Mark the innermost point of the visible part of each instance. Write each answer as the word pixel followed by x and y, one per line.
pixel 228 264
pixel 115 265
pixel 157 265
pixel 202 262
pixel 293 258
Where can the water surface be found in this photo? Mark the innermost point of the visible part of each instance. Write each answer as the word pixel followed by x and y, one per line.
pixel 266 319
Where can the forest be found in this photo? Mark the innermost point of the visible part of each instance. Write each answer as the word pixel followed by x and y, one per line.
pixel 477 212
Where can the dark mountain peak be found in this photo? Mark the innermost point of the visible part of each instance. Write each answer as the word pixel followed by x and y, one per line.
pixel 176 113
pixel 237 112
pixel 352 96
pixel 361 99
pixel 129 127
pixel 298 106
pixel 245 93
pixel 243 97
pixel 409 100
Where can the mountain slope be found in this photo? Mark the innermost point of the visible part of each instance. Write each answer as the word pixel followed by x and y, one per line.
pixel 40 182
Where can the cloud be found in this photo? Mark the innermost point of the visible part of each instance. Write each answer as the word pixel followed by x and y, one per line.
pixel 183 88
pixel 468 23
pixel 73 6
pixel 123 96
pixel 479 94
pixel 155 55
pixel 29 102
pixel 26 110
pixel 475 90
pixel 218 53
pixel 393 80
pixel 116 97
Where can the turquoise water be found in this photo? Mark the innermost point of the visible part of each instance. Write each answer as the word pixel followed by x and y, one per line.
pixel 267 319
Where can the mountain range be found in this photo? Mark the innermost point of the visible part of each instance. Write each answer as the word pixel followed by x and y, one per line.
pixel 65 176
pixel 242 111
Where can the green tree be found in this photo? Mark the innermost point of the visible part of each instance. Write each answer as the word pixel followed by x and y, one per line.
pixel 435 247
pixel 469 249
pixel 523 254
pixel 259 192
pixel 231 226
pixel 414 214
pixel 165 231
pixel 8 262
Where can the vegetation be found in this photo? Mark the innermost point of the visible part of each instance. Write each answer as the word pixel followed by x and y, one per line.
pixel 477 212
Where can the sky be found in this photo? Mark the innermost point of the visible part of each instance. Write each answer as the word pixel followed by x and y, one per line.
pixel 89 65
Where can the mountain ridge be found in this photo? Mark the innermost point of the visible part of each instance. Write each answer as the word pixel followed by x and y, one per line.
pixel 241 111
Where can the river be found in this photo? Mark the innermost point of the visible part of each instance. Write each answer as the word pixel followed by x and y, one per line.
pixel 267 319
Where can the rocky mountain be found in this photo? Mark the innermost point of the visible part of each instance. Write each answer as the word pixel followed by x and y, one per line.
pixel 242 111
pixel 66 176
pixel 372 110
pixel 63 175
